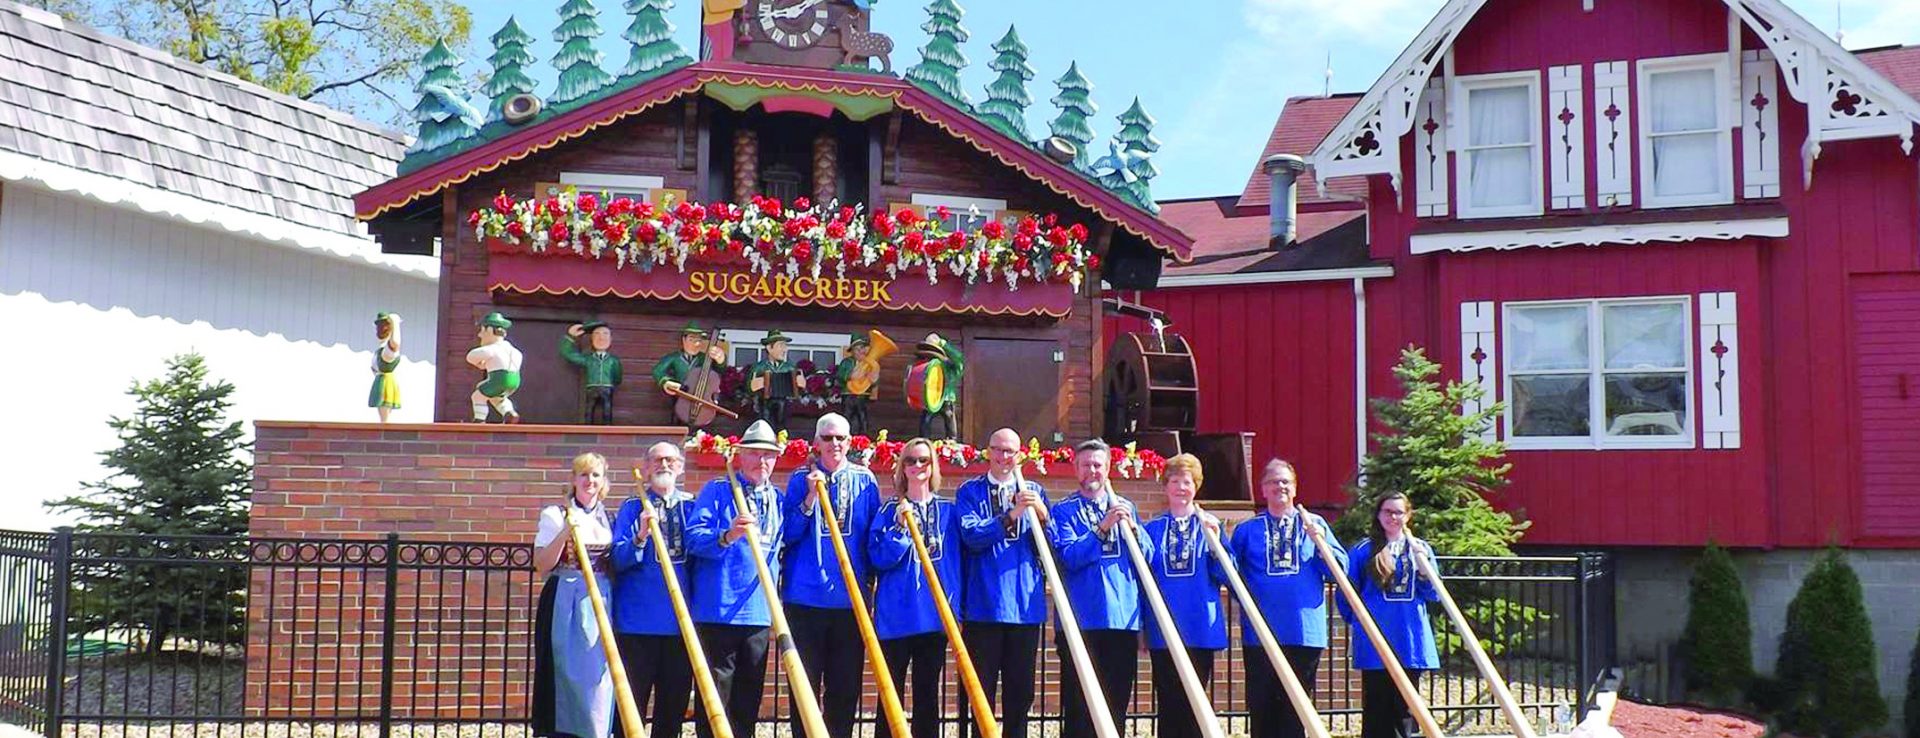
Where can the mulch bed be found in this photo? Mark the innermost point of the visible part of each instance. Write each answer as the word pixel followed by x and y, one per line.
pixel 1635 720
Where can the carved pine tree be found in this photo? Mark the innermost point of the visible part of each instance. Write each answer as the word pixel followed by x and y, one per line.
pixel 1136 137
pixel 941 59
pixel 442 112
pixel 578 61
pixel 1007 98
pixel 651 36
pixel 509 61
pixel 1075 102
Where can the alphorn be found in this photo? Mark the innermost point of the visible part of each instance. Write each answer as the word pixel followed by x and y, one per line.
pixel 622 690
pixel 969 678
pixel 1197 697
pixel 1289 682
pixel 1500 692
pixel 895 714
pixel 1090 690
pixel 696 654
pixel 802 694
pixel 1415 703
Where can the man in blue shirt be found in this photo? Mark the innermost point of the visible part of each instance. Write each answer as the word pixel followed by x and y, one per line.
pixel 815 589
pixel 726 598
pixel 1003 602
pixel 644 624
pixel 1101 585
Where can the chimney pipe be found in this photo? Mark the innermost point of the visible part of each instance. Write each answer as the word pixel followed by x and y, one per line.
pixel 1283 171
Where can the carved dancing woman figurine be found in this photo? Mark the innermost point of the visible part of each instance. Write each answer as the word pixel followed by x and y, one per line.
pixel 385 395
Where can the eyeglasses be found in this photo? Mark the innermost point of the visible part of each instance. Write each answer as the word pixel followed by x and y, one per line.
pixel 998 450
pixel 916 460
pixel 833 438
pixel 669 460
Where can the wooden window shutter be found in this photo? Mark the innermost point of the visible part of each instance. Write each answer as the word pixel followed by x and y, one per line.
pixel 660 196
pixel 1719 371
pixel 1430 151
pixel 1760 125
pixel 1479 363
pixel 895 207
pixel 1613 134
pixel 1567 144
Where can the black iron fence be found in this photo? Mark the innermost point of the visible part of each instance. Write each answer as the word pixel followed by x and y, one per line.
pixel 128 636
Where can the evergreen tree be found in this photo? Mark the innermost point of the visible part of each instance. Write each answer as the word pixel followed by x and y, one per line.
pixel 1075 102
pixel 180 470
pixel 1136 136
pixel 510 59
pixel 941 59
pixel 577 60
pixel 1007 98
pixel 1828 671
pixel 651 36
pixel 444 116
pixel 1717 646
pixel 1913 693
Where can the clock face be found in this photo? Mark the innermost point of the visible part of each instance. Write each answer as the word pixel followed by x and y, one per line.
pixel 793 24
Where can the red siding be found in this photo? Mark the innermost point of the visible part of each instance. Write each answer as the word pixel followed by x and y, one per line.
pixel 1535 35
pixel 1886 312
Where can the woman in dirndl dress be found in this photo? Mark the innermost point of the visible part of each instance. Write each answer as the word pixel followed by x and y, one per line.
pixel 385 395
pixel 572 687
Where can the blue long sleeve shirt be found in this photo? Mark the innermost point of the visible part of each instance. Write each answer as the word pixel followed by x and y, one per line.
pixel 1190 578
pixel 1400 609
pixel 1286 576
pixel 1001 566
pixel 813 576
pixel 1100 581
pixel 903 596
pixel 726 590
pixel 640 603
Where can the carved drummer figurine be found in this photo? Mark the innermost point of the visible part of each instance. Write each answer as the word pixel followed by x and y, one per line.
pixel 774 381
pixel 933 384
pixel 600 369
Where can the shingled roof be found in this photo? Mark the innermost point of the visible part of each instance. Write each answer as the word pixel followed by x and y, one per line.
pixel 86 112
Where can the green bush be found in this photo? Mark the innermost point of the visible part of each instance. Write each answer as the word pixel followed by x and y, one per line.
pixel 1827 666
pixel 1913 693
pixel 1717 646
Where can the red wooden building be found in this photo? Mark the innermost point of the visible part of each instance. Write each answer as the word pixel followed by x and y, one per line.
pixel 1680 239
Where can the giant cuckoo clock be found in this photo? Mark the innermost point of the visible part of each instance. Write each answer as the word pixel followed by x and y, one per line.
pixel 801 33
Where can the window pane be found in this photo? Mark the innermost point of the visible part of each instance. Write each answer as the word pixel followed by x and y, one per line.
pixel 1550 406
pixel 1684 100
pixel 1644 336
pixel 1500 177
pixel 1686 164
pixel 1647 404
pixel 1500 115
pixel 1547 338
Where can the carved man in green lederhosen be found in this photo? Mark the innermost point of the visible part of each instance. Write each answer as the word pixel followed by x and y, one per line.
pixel 501 361
pixel 671 371
pixel 600 369
pixel 774 380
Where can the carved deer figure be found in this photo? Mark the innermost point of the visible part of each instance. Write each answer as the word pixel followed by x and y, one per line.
pixel 858 43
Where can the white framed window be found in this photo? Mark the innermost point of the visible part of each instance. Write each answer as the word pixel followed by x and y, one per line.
pixel 1686 131
pixel 1599 374
pixel 822 348
pixel 1497 168
pixel 963 213
pixel 637 187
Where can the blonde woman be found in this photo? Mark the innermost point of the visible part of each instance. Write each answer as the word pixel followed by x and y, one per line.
pixel 572 690
pixel 907 622
pixel 1190 579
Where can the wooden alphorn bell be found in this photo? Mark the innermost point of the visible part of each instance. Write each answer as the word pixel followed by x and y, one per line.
pixel 1289 682
pixel 1103 724
pixel 622 690
pixel 1197 697
pixel 683 617
pixel 1415 703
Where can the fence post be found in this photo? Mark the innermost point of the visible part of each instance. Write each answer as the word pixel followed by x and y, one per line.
pixel 58 584
pixel 389 608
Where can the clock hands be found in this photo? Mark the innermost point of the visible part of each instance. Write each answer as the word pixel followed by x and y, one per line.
pixel 794 11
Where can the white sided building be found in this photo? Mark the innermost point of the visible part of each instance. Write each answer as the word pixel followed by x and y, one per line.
pixel 150 206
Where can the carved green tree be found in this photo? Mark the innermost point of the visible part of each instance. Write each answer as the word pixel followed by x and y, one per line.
pixel 578 61
pixel 1007 98
pixel 509 61
pixel 442 112
pixel 1136 136
pixel 941 59
pixel 1075 101
pixel 651 36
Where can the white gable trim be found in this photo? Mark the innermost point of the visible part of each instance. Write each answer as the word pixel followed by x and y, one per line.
pixel 1638 233
pixel 1816 71
pixel 175 206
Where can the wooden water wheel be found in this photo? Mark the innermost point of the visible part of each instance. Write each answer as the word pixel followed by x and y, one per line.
pixel 1151 385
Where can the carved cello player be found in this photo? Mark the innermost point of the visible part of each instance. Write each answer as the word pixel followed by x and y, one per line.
pixel 690 375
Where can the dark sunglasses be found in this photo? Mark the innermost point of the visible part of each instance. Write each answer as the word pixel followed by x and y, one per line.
pixel 833 438
pixel 916 460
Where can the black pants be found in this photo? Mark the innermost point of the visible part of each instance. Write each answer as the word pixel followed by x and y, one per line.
pixel 658 671
pixel 1383 712
pixel 855 406
pixel 829 644
pixel 599 406
pixel 775 413
pixel 1116 663
pixel 737 657
pixel 926 654
pixel 1269 711
pixel 945 421
pixel 1176 714
pixel 1004 655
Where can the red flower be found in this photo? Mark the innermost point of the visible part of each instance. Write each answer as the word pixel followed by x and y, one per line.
pixel 587 203
pixel 1023 242
pixel 802 250
pixel 714 236
pixel 846 215
pixel 1059 257
pixel 907 217
pixel 1057 236
pixel 643 210
pixel 792 228
pixel 1052 220
pixel 860 443
pixel 516 230
pixel 689 233
pixel 559 233
pixel 889 254
pixel 914 241
pixel 736 246
pixel 764 246
pixel 1020 264
pixel 620 206
pixel 836 231
pixel 1093 261
pixel 1077 231
pixel 994 230
pixel 956 240
pixel 942 213
pixel 697 214
pixel 817 384
pixel 981 258
pixel 646 233
pixel 806 366
pixel 1027 227
pixel 770 207
pixel 849 250
pixel 801 203
pixel 503 204
pixel 473 219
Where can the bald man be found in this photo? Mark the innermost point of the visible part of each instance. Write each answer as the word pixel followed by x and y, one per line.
pixel 643 622
pixel 1003 603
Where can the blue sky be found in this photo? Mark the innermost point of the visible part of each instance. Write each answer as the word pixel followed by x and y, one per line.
pixel 1214 73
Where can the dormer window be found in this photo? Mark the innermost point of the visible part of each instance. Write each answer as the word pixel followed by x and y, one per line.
pixel 1686 137
pixel 1498 169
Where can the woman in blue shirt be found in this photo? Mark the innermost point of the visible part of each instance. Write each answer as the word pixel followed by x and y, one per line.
pixel 1190 579
pixel 1288 581
pixel 1383 572
pixel 906 622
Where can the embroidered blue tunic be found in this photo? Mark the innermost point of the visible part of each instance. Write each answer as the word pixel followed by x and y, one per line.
pixel 640 603
pixel 902 593
pixel 1190 578
pixel 582 684
pixel 1100 581
pixel 813 575
pixel 1400 609
pixel 725 589
pixel 1286 576
pixel 1004 583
